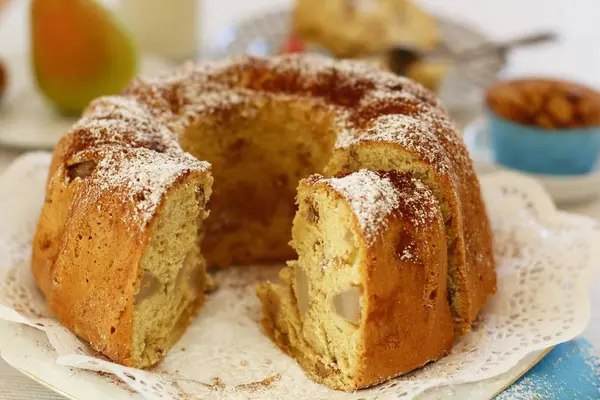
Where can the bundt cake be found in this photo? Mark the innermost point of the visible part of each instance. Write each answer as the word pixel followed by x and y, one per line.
pixel 366 299
pixel 116 248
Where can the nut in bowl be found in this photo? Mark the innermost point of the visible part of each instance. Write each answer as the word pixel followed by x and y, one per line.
pixel 544 126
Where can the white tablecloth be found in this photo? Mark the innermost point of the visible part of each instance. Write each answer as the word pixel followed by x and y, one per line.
pixel 575 56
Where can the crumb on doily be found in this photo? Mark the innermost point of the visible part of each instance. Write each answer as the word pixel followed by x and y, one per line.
pixel 113 379
pixel 259 385
pixel 29 312
pixel 217 383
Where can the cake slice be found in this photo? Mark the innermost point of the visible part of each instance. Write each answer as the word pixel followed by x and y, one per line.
pixel 366 299
pixel 129 276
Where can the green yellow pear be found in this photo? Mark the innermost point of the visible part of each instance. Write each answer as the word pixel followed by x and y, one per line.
pixel 79 52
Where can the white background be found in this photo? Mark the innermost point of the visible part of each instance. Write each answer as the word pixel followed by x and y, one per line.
pixel 576 56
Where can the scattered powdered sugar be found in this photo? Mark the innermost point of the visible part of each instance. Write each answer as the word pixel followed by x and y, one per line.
pixel 386 94
pixel 136 156
pixel 116 107
pixel 570 370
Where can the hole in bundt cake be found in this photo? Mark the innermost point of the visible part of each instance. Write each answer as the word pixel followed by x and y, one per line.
pixel 322 370
pixel 45 243
pixel 80 170
pixel 258 153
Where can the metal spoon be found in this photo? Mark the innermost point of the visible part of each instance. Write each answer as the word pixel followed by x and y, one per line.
pixel 400 58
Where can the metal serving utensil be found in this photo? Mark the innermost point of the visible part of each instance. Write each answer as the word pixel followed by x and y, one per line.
pixel 400 58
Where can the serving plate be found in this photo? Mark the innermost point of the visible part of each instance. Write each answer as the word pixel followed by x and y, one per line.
pixel 545 261
pixel 40 365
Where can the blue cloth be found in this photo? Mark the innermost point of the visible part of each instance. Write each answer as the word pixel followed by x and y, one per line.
pixel 570 371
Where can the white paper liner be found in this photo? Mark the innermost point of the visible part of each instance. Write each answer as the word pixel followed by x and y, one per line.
pixel 545 260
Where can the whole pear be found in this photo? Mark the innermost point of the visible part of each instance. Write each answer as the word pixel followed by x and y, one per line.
pixel 79 52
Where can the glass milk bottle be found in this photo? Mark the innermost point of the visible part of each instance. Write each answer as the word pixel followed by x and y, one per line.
pixel 164 28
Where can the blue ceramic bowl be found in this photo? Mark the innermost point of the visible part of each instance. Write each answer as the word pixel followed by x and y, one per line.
pixel 544 151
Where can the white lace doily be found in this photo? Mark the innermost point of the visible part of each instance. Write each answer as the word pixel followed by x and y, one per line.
pixel 545 260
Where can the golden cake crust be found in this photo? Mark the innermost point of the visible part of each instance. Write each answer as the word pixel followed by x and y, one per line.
pixel 133 144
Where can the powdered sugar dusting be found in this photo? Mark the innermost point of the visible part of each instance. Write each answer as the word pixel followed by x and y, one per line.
pixel 210 101
pixel 419 206
pixel 313 68
pixel 371 198
pixel 374 195
pixel 122 121
pixel 140 177
pixel 367 103
pixel 136 157
pixel 211 86
pixel 416 133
